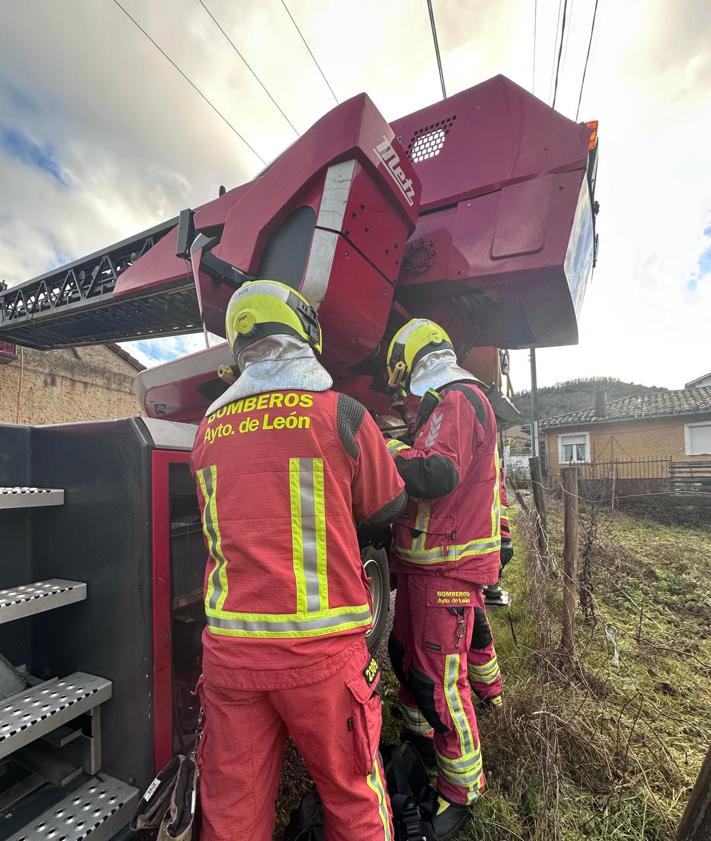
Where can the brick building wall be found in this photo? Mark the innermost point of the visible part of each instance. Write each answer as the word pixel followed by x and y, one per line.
pixel 68 385
pixel 660 438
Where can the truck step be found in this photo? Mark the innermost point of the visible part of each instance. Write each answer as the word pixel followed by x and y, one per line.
pixel 33 713
pixel 97 810
pixel 30 497
pixel 28 599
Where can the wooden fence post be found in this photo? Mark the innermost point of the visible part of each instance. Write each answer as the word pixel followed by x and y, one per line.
pixel 569 480
pixel 539 501
pixel 696 821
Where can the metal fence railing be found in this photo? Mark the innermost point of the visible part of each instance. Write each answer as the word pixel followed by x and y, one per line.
pixel 638 468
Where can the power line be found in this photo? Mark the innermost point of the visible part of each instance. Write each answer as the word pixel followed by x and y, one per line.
pixel 436 48
pixel 296 25
pixel 555 44
pixel 535 31
pixel 247 64
pixel 567 34
pixel 191 83
pixel 585 68
pixel 560 53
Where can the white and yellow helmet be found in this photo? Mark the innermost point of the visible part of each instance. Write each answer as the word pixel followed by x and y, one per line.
pixel 416 339
pixel 261 308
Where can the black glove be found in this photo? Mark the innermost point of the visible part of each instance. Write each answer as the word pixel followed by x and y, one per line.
pixel 507 552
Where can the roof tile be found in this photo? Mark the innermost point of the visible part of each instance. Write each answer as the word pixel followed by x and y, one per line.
pixel 648 404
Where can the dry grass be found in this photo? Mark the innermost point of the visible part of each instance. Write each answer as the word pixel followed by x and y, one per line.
pixel 611 750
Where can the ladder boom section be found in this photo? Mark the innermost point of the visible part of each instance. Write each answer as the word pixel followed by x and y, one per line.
pixel 75 304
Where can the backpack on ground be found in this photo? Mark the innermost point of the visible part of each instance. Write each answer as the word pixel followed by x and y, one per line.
pixel 412 797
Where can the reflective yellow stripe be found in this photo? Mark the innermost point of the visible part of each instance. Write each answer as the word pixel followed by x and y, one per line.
pixel 320 514
pixel 496 504
pixel 308 534
pixel 422 521
pixel 313 615
pixel 418 554
pixel 454 703
pixel 440 555
pixel 297 545
pixel 217 583
pixel 415 721
pixel 288 624
pixel 465 771
pixel 375 784
pixel 394 446
pixel 487 673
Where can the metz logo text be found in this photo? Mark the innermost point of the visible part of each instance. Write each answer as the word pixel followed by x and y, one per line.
pixel 389 157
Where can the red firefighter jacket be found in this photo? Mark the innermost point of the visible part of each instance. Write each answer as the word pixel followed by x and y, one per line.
pixel 282 478
pixel 451 525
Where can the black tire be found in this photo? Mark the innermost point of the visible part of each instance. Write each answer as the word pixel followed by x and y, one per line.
pixel 377 568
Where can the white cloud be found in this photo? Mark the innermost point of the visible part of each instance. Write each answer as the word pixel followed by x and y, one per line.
pixel 136 144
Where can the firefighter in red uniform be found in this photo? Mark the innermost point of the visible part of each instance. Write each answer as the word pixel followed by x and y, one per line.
pixel 445 549
pixel 484 671
pixel 285 467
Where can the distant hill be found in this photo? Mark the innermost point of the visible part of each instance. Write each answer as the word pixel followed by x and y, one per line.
pixel 576 394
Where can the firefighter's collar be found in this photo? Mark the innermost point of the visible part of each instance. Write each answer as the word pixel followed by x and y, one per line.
pixel 437 369
pixel 275 363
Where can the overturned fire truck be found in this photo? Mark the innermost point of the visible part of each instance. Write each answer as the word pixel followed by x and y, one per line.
pixel 477 211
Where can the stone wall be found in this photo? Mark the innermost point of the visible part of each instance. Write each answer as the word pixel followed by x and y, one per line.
pixel 62 386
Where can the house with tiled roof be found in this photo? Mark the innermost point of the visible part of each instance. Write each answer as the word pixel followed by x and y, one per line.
pixel 674 425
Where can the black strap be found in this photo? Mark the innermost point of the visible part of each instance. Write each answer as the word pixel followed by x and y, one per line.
pixel 406 812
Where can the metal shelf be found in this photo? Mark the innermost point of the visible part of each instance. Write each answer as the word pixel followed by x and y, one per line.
pixel 29 599
pixel 97 810
pixel 33 713
pixel 30 497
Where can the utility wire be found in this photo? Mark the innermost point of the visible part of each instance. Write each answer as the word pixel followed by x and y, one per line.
pixel 296 25
pixel 247 64
pixel 555 45
pixel 587 58
pixel 560 53
pixel 191 83
pixel 436 48
pixel 535 31
pixel 567 33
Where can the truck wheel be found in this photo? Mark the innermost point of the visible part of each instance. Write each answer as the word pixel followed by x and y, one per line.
pixel 377 568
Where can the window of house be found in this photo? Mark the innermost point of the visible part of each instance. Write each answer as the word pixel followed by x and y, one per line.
pixel 574 448
pixel 697 439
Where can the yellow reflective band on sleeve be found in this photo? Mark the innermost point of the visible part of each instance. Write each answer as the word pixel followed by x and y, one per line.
pixel 487 673
pixel 394 446
pixel 217 582
pixel 375 784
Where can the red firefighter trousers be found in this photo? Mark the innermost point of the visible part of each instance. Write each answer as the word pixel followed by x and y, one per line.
pixel 432 635
pixel 335 724
pixel 483 666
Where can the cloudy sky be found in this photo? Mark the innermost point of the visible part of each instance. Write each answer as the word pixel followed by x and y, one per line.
pixel 100 137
